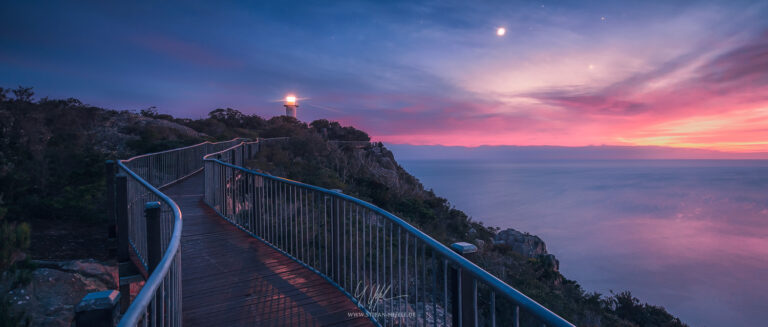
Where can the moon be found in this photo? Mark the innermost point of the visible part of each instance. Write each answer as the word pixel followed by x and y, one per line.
pixel 501 31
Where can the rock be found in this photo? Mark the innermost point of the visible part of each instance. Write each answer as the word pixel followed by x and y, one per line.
pixel 550 260
pixel 57 287
pixel 530 246
pixel 379 164
pixel 180 130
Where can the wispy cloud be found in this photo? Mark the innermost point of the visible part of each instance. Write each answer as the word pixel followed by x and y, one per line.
pixel 659 73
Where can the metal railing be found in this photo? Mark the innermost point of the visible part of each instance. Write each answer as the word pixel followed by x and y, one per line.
pixel 395 273
pixel 149 224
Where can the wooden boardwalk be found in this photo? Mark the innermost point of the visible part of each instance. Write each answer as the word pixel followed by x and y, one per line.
pixel 232 279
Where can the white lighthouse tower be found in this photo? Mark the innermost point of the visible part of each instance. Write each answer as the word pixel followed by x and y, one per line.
pixel 290 106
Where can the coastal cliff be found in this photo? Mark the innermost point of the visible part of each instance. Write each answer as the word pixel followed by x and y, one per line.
pixel 51 176
pixel 370 172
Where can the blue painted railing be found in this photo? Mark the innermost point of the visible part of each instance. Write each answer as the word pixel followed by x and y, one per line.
pixel 396 274
pixel 159 301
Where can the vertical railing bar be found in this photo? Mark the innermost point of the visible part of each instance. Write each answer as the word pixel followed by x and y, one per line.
pixel 493 308
pixel 391 286
pixel 315 232
pixel 370 248
pixel 268 210
pixel 516 316
pixel 424 282
pixel 325 233
pixel 434 289
pixel 407 282
pixel 474 301
pixel 292 220
pixel 400 273
pixel 378 252
pixel 284 217
pixel 280 239
pixel 357 246
pixel 366 251
pixel 343 226
pixel 445 292
pixel 460 295
pixel 416 276
pixel 303 238
pixel 296 229
pixel 337 244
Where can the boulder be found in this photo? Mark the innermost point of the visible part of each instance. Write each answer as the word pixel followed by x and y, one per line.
pixel 49 299
pixel 530 246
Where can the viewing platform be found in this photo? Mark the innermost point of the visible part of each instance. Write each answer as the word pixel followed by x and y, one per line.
pixel 217 244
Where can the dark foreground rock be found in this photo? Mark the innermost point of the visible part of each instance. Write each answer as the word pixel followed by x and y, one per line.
pixel 56 287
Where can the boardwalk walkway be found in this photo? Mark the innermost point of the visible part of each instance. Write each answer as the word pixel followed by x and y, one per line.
pixel 232 279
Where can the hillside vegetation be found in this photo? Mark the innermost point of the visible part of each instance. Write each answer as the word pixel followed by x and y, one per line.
pixel 52 155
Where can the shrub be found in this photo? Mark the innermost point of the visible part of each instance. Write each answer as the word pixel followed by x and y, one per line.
pixel 14 238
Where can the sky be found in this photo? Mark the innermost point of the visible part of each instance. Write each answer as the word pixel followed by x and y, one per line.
pixel 669 73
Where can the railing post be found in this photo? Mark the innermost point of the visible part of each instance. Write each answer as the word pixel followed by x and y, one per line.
pixel 121 214
pixel 109 198
pixel 154 253
pixel 464 291
pixel 97 309
pixel 336 233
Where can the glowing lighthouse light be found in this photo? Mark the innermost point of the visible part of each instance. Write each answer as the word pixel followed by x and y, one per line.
pixel 290 106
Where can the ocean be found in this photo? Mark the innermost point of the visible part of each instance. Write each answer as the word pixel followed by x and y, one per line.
pixel 689 235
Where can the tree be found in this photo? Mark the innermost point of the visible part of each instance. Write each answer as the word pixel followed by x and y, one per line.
pixel 228 116
pixel 23 94
pixel 150 112
pixel 334 131
pixel 3 94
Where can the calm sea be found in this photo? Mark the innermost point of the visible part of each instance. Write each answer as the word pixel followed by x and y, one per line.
pixel 690 235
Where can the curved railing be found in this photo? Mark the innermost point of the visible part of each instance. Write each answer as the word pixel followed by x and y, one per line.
pixel 392 270
pixel 153 224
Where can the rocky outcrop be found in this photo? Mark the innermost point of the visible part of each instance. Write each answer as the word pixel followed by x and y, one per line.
pixel 379 163
pixel 113 134
pixel 49 299
pixel 530 246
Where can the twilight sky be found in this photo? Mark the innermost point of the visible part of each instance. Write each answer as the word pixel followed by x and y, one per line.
pixel 672 73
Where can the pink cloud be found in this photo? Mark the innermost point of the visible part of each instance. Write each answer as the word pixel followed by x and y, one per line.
pixel 719 103
pixel 183 50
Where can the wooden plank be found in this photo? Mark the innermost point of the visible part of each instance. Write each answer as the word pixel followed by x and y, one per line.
pixel 232 279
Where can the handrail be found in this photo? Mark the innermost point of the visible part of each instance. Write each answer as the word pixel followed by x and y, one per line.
pixel 160 298
pixel 137 310
pixel 242 196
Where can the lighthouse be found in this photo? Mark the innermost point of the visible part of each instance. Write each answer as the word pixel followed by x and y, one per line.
pixel 290 106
